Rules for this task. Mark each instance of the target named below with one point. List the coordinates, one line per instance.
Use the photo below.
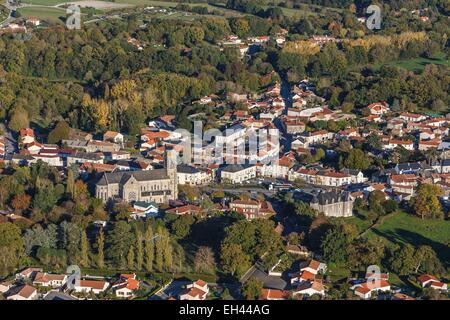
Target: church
(158, 185)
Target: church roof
(123, 176)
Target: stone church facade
(158, 185)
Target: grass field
(418, 64)
(404, 228)
(45, 13)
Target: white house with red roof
(429, 281)
(26, 135)
(95, 286)
(23, 292)
(378, 108)
(197, 290)
(126, 286)
(274, 294)
(413, 117)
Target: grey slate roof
(123, 176)
(183, 168)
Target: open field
(403, 228)
(418, 64)
(46, 13)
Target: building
(274, 294)
(158, 185)
(94, 286)
(192, 176)
(126, 286)
(429, 281)
(252, 209)
(23, 292)
(114, 137)
(236, 173)
(49, 280)
(330, 203)
(378, 108)
(197, 290)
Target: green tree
(357, 159)
(149, 248)
(130, 258)
(252, 289)
(139, 250)
(426, 203)
(119, 241)
(60, 132)
(100, 249)
(12, 248)
(234, 260)
(84, 249)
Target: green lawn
(44, 2)
(45, 13)
(402, 228)
(418, 64)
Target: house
(378, 108)
(412, 117)
(197, 290)
(192, 176)
(356, 175)
(364, 290)
(393, 143)
(310, 288)
(252, 208)
(237, 173)
(44, 279)
(26, 135)
(297, 250)
(22, 292)
(28, 273)
(429, 281)
(330, 203)
(126, 286)
(142, 210)
(186, 209)
(80, 157)
(5, 286)
(95, 286)
(114, 137)
(401, 296)
(314, 267)
(274, 294)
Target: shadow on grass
(402, 236)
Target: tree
(60, 132)
(336, 242)
(234, 260)
(204, 261)
(100, 249)
(84, 249)
(357, 159)
(252, 289)
(21, 201)
(119, 241)
(130, 258)
(70, 186)
(182, 225)
(19, 119)
(427, 261)
(12, 248)
(402, 260)
(149, 249)
(139, 250)
(426, 202)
